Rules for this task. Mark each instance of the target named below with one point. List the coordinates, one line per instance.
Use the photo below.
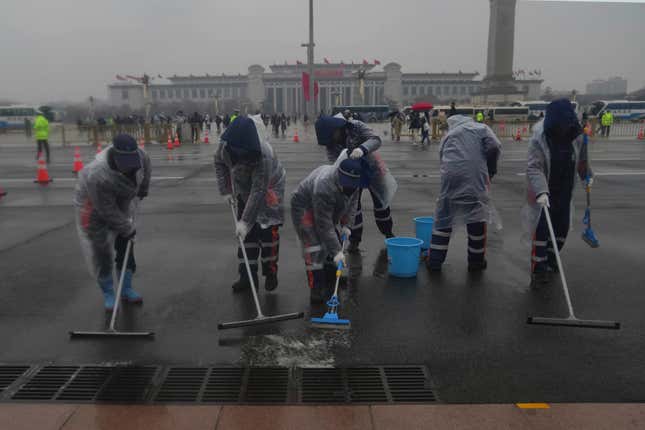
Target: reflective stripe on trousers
(382, 217)
(476, 243)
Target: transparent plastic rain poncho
(537, 174)
(105, 202)
(319, 207)
(260, 183)
(464, 155)
(381, 182)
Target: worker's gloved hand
(346, 232)
(241, 229)
(131, 235)
(228, 198)
(543, 200)
(356, 154)
(340, 257)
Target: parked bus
(14, 116)
(505, 113)
(537, 109)
(368, 113)
(621, 109)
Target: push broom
(112, 331)
(571, 320)
(330, 320)
(260, 318)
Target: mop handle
(554, 242)
(120, 287)
(339, 268)
(248, 267)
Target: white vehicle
(537, 109)
(14, 116)
(621, 109)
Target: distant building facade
(609, 87)
(280, 89)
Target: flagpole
(310, 60)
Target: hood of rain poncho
(326, 126)
(537, 176)
(105, 204)
(561, 122)
(465, 185)
(243, 140)
(375, 175)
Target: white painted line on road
(18, 181)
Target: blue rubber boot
(128, 294)
(106, 285)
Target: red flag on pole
(365, 63)
(377, 62)
(305, 85)
(326, 60)
(315, 89)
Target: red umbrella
(422, 107)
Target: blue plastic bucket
(423, 226)
(403, 256)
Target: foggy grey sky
(70, 49)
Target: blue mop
(330, 320)
(588, 234)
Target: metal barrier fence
(68, 134)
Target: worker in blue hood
(556, 151)
(336, 134)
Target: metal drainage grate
(366, 385)
(86, 384)
(267, 385)
(323, 386)
(409, 384)
(141, 384)
(223, 385)
(9, 375)
(182, 384)
(46, 383)
(128, 384)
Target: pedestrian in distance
(607, 121)
(218, 123)
(195, 126)
(27, 127)
(41, 127)
(336, 134)
(250, 176)
(425, 132)
(106, 197)
(556, 152)
(468, 160)
(326, 198)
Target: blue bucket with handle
(423, 226)
(403, 256)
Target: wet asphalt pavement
(470, 330)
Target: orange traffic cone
(142, 143)
(78, 163)
(296, 139)
(641, 134)
(2, 193)
(98, 148)
(518, 136)
(42, 176)
(169, 146)
(177, 142)
(206, 135)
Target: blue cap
(349, 173)
(126, 153)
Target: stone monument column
(501, 38)
(393, 87)
(255, 85)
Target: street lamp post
(145, 80)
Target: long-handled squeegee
(112, 331)
(260, 318)
(571, 320)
